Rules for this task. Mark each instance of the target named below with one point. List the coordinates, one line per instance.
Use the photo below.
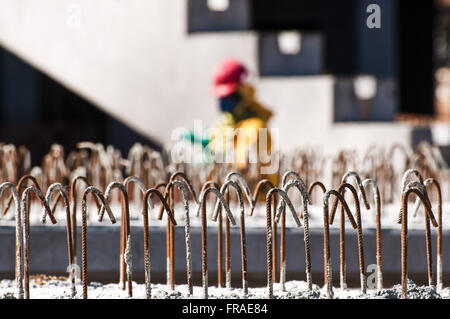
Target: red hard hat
(226, 77)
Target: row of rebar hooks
(276, 200)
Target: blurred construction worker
(242, 117)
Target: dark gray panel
(348, 108)
(308, 61)
(201, 18)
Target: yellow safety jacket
(242, 130)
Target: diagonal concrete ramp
(124, 55)
(135, 60)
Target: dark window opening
(37, 111)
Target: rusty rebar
(182, 185)
(313, 185)
(188, 183)
(203, 197)
(73, 197)
(439, 271)
(405, 180)
(227, 245)
(328, 274)
(220, 282)
(20, 186)
(435, 183)
(269, 198)
(360, 187)
(19, 258)
(358, 227)
(379, 251)
(262, 184)
(133, 179)
(125, 268)
(61, 189)
(343, 265)
(147, 260)
(26, 229)
(235, 176)
(96, 192)
(300, 185)
(170, 233)
(224, 189)
(415, 188)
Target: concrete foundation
(49, 254)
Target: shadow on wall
(36, 112)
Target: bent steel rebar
(19, 260)
(407, 176)
(219, 236)
(260, 186)
(95, 192)
(360, 187)
(349, 174)
(358, 227)
(141, 186)
(203, 197)
(125, 269)
(182, 185)
(300, 185)
(21, 186)
(235, 176)
(376, 197)
(266, 184)
(415, 188)
(328, 275)
(133, 179)
(185, 179)
(269, 197)
(435, 183)
(147, 261)
(314, 185)
(73, 197)
(343, 265)
(61, 189)
(26, 231)
(225, 187)
(170, 234)
(439, 270)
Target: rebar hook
(26, 231)
(58, 187)
(359, 237)
(297, 183)
(96, 192)
(203, 197)
(147, 261)
(269, 238)
(420, 193)
(439, 275)
(376, 197)
(328, 274)
(225, 187)
(182, 185)
(124, 234)
(19, 262)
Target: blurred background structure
(119, 72)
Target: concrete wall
(49, 252)
(136, 60)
